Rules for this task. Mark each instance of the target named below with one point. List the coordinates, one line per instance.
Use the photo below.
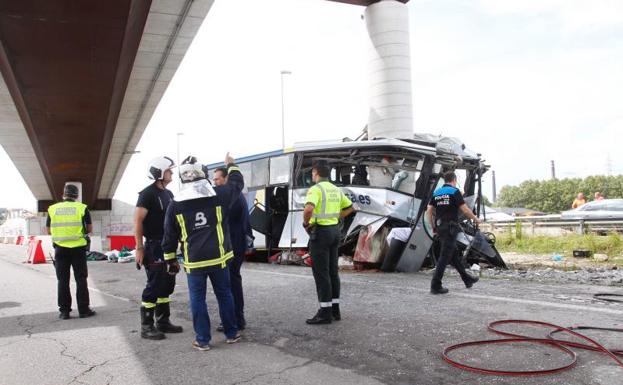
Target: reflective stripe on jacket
(66, 224)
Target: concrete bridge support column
(391, 111)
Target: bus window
(245, 170)
(259, 172)
(280, 169)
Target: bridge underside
(80, 81)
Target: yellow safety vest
(66, 224)
(328, 202)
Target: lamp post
(283, 126)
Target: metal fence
(553, 225)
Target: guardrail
(554, 225)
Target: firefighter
(149, 226)
(446, 203)
(199, 219)
(325, 204)
(68, 223)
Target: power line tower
(608, 165)
(553, 170)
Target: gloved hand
(173, 267)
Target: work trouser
(323, 245)
(197, 287)
(236, 287)
(64, 259)
(447, 252)
(160, 284)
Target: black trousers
(323, 245)
(64, 260)
(160, 284)
(447, 252)
(236, 287)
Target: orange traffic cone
(35, 252)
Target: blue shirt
(446, 201)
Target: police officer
(69, 222)
(149, 225)
(240, 233)
(446, 203)
(199, 219)
(325, 204)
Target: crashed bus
(389, 182)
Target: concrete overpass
(80, 82)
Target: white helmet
(191, 170)
(158, 166)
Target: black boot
(471, 280)
(148, 330)
(335, 312)
(323, 316)
(163, 312)
(438, 290)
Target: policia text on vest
(325, 205)
(68, 223)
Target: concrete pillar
(391, 111)
(389, 68)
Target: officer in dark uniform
(446, 202)
(325, 204)
(149, 224)
(68, 223)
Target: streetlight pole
(177, 160)
(283, 125)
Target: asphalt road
(392, 332)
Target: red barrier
(118, 241)
(35, 252)
(19, 240)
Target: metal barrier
(554, 225)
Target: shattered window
(259, 172)
(280, 169)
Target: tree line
(556, 195)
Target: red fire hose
(551, 341)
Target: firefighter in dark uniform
(68, 223)
(446, 203)
(199, 219)
(324, 205)
(149, 226)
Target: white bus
(388, 180)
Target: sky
(522, 82)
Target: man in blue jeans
(198, 218)
(240, 231)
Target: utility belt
(446, 226)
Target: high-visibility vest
(66, 224)
(332, 201)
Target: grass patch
(611, 245)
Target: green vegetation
(556, 195)
(611, 245)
